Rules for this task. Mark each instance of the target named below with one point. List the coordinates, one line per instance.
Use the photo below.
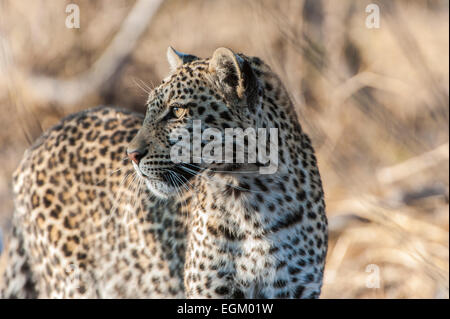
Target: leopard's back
(82, 227)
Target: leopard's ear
(176, 59)
(235, 77)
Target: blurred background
(374, 100)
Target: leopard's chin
(157, 184)
(159, 188)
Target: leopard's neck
(230, 238)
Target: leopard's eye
(178, 111)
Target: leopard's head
(215, 93)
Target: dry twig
(72, 91)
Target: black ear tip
(177, 58)
(240, 59)
(171, 49)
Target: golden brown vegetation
(375, 102)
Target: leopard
(102, 208)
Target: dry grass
(375, 102)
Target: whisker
(109, 175)
(177, 189)
(146, 90)
(194, 173)
(131, 199)
(220, 171)
(118, 197)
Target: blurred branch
(419, 241)
(72, 91)
(29, 124)
(414, 54)
(413, 165)
(367, 79)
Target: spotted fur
(82, 228)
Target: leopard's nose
(136, 155)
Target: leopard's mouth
(169, 180)
(159, 188)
